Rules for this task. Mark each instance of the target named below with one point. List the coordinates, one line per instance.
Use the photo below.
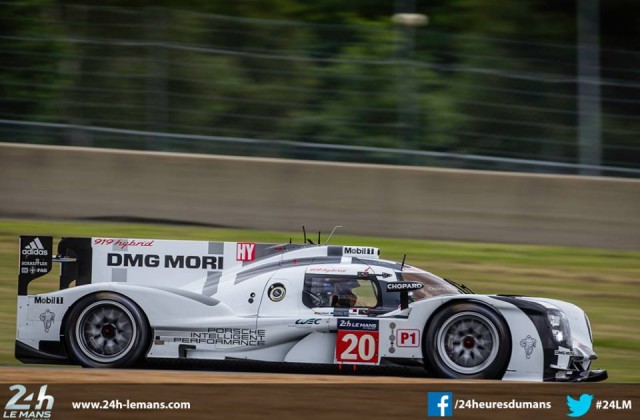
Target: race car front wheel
(106, 330)
(468, 341)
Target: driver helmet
(343, 296)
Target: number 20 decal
(364, 347)
(357, 347)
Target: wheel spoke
(466, 342)
(105, 331)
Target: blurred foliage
(485, 77)
(20, 22)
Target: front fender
(523, 365)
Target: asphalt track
(76, 375)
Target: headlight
(559, 327)
(586, 318)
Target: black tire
(467, 341)
(106, 330)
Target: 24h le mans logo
(20, 404)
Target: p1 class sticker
(277, 292)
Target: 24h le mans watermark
(27, 405)
(442, 404)
(130, 405)
(22, 405)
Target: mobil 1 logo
(35, 256)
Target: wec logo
(311, 321)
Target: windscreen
(433, 286)
(338, 292)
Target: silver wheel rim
(468, 342)
(105, 331)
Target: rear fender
(42, 317)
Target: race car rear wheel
(468, 341)
(106, 330)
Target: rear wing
(35, 260)
(152, 262)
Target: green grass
(605, 283)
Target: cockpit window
(339, 292)
(433, 286)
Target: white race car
(146, 299)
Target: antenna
(304, 231)
(403, 260)
(331, 234)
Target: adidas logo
(35, 248)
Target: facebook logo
(440, 404)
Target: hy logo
(439, 404)
(579, 407)
(245, 251)
(35, 248)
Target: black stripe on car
(537, 313)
